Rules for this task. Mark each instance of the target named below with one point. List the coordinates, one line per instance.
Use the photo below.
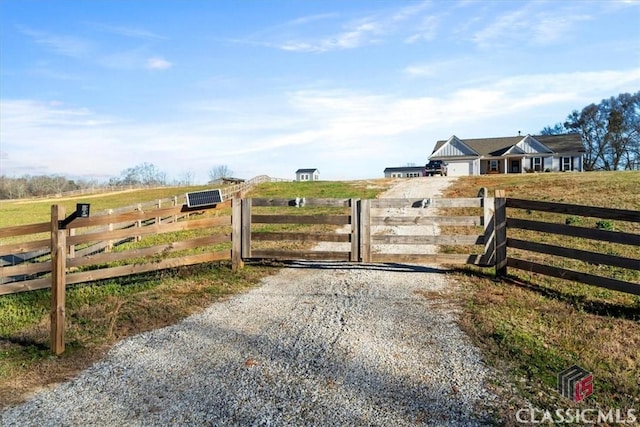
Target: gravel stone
(316, 344)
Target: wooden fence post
(236, 233)
(365, 230)
(246, 228)
(109, 247)
(174, 204)
(58, 283)
(488, 204)
(500, 224)
(139, 223)
(72, 248)
(355, 231)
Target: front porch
(521, 164)
(503, 165)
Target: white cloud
(132, 32)
(158, 63)
(529, 25)
(355, 35)
(277, 135)
(64, 45)
(426, 31)
(371, 28)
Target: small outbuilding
(404, 172)
(307, 175)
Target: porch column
(506, 165)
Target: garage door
(459, 168)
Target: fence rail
(364, 235)
(589, 257)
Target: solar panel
(203, 198)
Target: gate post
(365, 230)
(58, 278)
(488, 204)
(236, 233)
(354, 256)
(246, 228)
(500, 220)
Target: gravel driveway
(316, 344)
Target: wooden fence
(596, 215)
(23, 256)
(258, 228)
(367, 230)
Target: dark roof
(307, 170)
(571, 142)
(405, 169)
(562, 143)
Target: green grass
(534, 326)
(365, 189)
(30, 211)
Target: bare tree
(219, 172)
(186, 178)
(610, 132)
(142, 174)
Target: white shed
(307, 175)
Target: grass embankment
(102, 313)
(533, 326)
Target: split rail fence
(369, 231)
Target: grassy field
(29, 211)
(102, 313)
(532, 327)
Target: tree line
(142, 175)
(610, 132)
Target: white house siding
(531, 146)
(575, 164)
(307, 177)
(455, 148)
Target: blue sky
(90, 88)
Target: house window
(412, 175)
(493, 166)
(536, 164)
(566, 164)
(304, 177)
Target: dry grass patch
(532, 326)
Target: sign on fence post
(500, 225)
(58, 271)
